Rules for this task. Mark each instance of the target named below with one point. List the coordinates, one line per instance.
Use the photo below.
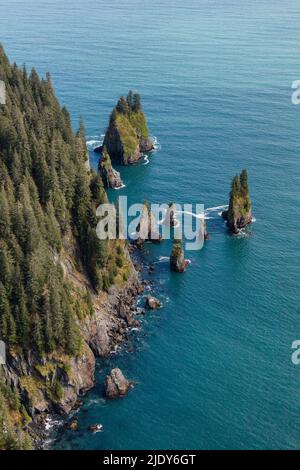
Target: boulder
(152, 303)
(116, 385)
(72, 425)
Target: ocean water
(213, 367)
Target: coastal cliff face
(52, 383)
(127, 136)
(110, 177)
(65, 296)
(239, 213)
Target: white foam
(94, 141)
(156, 144)
(146, 160)
(197, 216)
(164, 258)
(121, 187)
(217, 208)
(92, 144)
(50, 423)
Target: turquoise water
(213, 366)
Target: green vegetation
(127, 126)
(177, 249)
(46, 196)
(48, 201)
(13, 417)
(239, 202)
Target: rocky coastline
(114, 313)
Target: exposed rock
(113, 315)
(98, 149)
(72, 425)
(127, 136)
(152, 303)
(170, 218)
(116, 385)
(146, 144)
(203, 230)
(177, 261)
(78, 404)
(54, 385)
(147, 227)
(96, 428)
(239, 213)
(111, 178)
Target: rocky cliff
(111, 178)
(239, 213)
(127, 136)
(52, 383)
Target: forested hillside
(47, 196)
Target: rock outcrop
(177, 261)
(111, 178)
(203, 230)
(147, 227)
(239, 213)
(116, 385)
(127, 136)
(152, 303)
(72, 425)
(170, 217)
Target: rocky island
(239, 213)
(127, 136)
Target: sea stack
(239, 213)
(177, 261)
(170, 218)
(110, 177)
(203, 230)
(127, 136)
(147, 227)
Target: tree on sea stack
(127, 136)
(239, 213)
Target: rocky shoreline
(108, 327)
